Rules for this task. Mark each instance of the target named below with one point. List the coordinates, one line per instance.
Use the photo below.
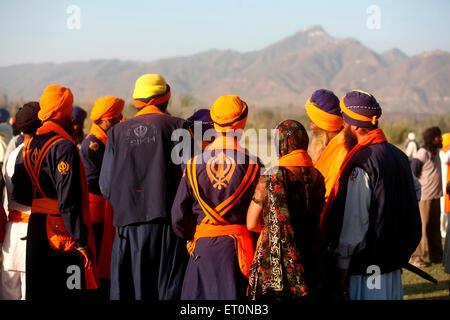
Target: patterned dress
(289, 260)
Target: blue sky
(36, 30)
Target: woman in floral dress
(289, 259)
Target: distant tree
(187, 100)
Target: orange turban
(445, 141)
(56, 103)
(229, 112)
(107, 108)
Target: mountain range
(282, 74)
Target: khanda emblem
(220, 169)
(34, 156)
(63, 168)
(140, 131)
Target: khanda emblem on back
(220, 169)
(142, 134)
(140, 131)
(34, 156)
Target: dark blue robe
(140, 180)
(47, 269)
(215, 274)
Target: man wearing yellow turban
(139, 179)
(210, 209)
(52, 181)
(106, 113)
(327, 142)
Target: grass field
(416, 288)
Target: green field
(416, 288)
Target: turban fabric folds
(79, 115)
(27, 120)
(360, 109)
(56, 103)
(150, 90)
(229, 113)
(323, 109)
(445, 141)
(107, 108)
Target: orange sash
(373, 137)
(446, 196)
(98, 133)
(148, 110)
(109, 232)
(330, 161)
(32, 162)
(296, 158)
(214, 225)
(18, 216)
(96, 207)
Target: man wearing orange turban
(210, 209)
(327, 142)
(106, 113)
(140, 179)
(52, 181)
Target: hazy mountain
(284, 73)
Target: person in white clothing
(12, 277)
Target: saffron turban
(107, 108)
(79, 115)
(360, 109)
(150, 89)
(445, 141)
(229, 113)
(56, 103)
(323, 109)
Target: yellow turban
(56, 103)
(445, 141)
(229, 112)
(324, 120)
(150, 89)
(107, 108)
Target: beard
(69, 128)
(319, 141)
(350, 140)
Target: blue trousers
(148, 262)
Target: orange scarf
(373, 137)
(330, 161)
(102, 210)
(90, 273)
(296, 158)
(225, 142)
(148, 110)
(98, 133)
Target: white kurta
(352, 239)
(12, 284)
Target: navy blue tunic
(215, 275)
(139, 179)
(47, 269)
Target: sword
(420, 273)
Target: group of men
(112, 217)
